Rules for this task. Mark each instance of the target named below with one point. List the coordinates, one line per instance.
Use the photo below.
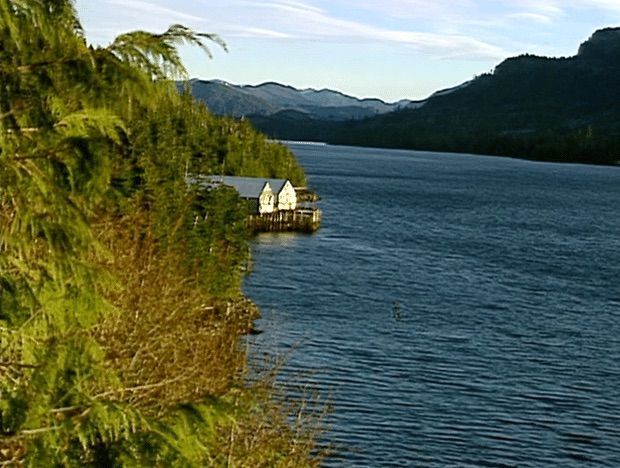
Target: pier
(300, 220)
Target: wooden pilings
(301, 220)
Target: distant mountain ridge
(557, 109)
(271, 98)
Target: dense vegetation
(120, 306)
(561, 109)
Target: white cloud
(293, 19)
(249, 32)
(553, 8)
(443, 45)
(288, 5)
(152, 9)
(535, 17)
(545, 7)
(317, 20)
(436, 10)
(607, 5)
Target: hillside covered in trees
(555, 109)
(120, 304)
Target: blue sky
(390, 49)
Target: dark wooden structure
(300, 220)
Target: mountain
(558, 109)
(271, 98)
(226, 99)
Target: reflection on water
(278, 239)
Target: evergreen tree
(95, 145)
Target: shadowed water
(460, 310)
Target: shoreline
(464, 153)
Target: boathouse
(272, 202)
(286, 196)
(257, 192)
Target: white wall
(287, 198)
(266, 201)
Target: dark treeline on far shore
(582, 145)
(553, 109)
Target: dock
(300, 220)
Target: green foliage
(156, 54)
(118, 332)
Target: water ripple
(459, 311)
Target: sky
(390, 49)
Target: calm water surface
(459, 310)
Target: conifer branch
(138, 388)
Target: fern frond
(157, 54)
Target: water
(459, 310)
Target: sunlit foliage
(120, 313)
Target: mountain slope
(564, 109)
(270, 98)
(225, 99)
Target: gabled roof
(247, 187)
(277, 184)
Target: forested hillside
(120, 304)
(558, 109)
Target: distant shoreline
(465, 153)
(294, 142)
